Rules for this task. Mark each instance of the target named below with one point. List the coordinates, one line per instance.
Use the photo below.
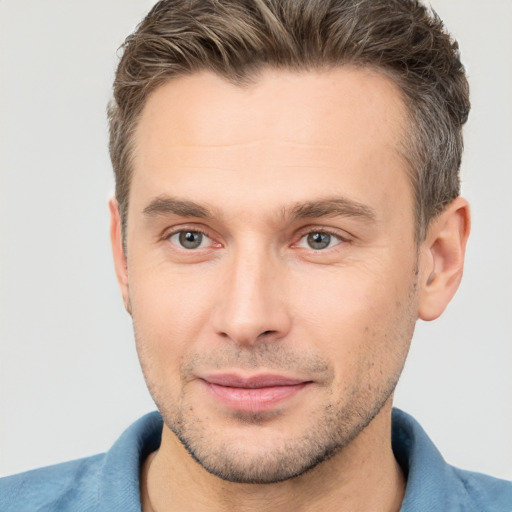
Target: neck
(363, 476)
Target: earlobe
(120, 264)
(442, 259)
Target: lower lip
(254, 399)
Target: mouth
(258, 393)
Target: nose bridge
(251, 307)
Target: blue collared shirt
(110, 482)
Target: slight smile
(259, 393)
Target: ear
(442, 258)
(120, 264)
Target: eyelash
(167, 235)
(304, 233)
(312, 230)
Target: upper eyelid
(176, 246)
(175, 232)
(339, 238)
(341, 234)
(169, 231)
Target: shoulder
(485, 492)
(433, 484)
(108, 481)
(67, 486)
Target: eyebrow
(164, 205)
(331, 207)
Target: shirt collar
(432, 484)
(120, 472)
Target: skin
(257, 170)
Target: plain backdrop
(70, 381)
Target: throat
(352, 480)
(145, 500)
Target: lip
(256, 393)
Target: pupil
(319, 240)
(190, 239)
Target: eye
(319, 240)
(189, 239)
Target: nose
(252, 304)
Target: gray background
(70, 381)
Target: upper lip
(255, 381)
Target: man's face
(272, 268)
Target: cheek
(358, 317)
(170, 310)
(339, 298)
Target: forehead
(303, 133)
(209, 109)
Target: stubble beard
(330, 427)
(323, 437)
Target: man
(287, 206)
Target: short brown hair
(238, 38)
